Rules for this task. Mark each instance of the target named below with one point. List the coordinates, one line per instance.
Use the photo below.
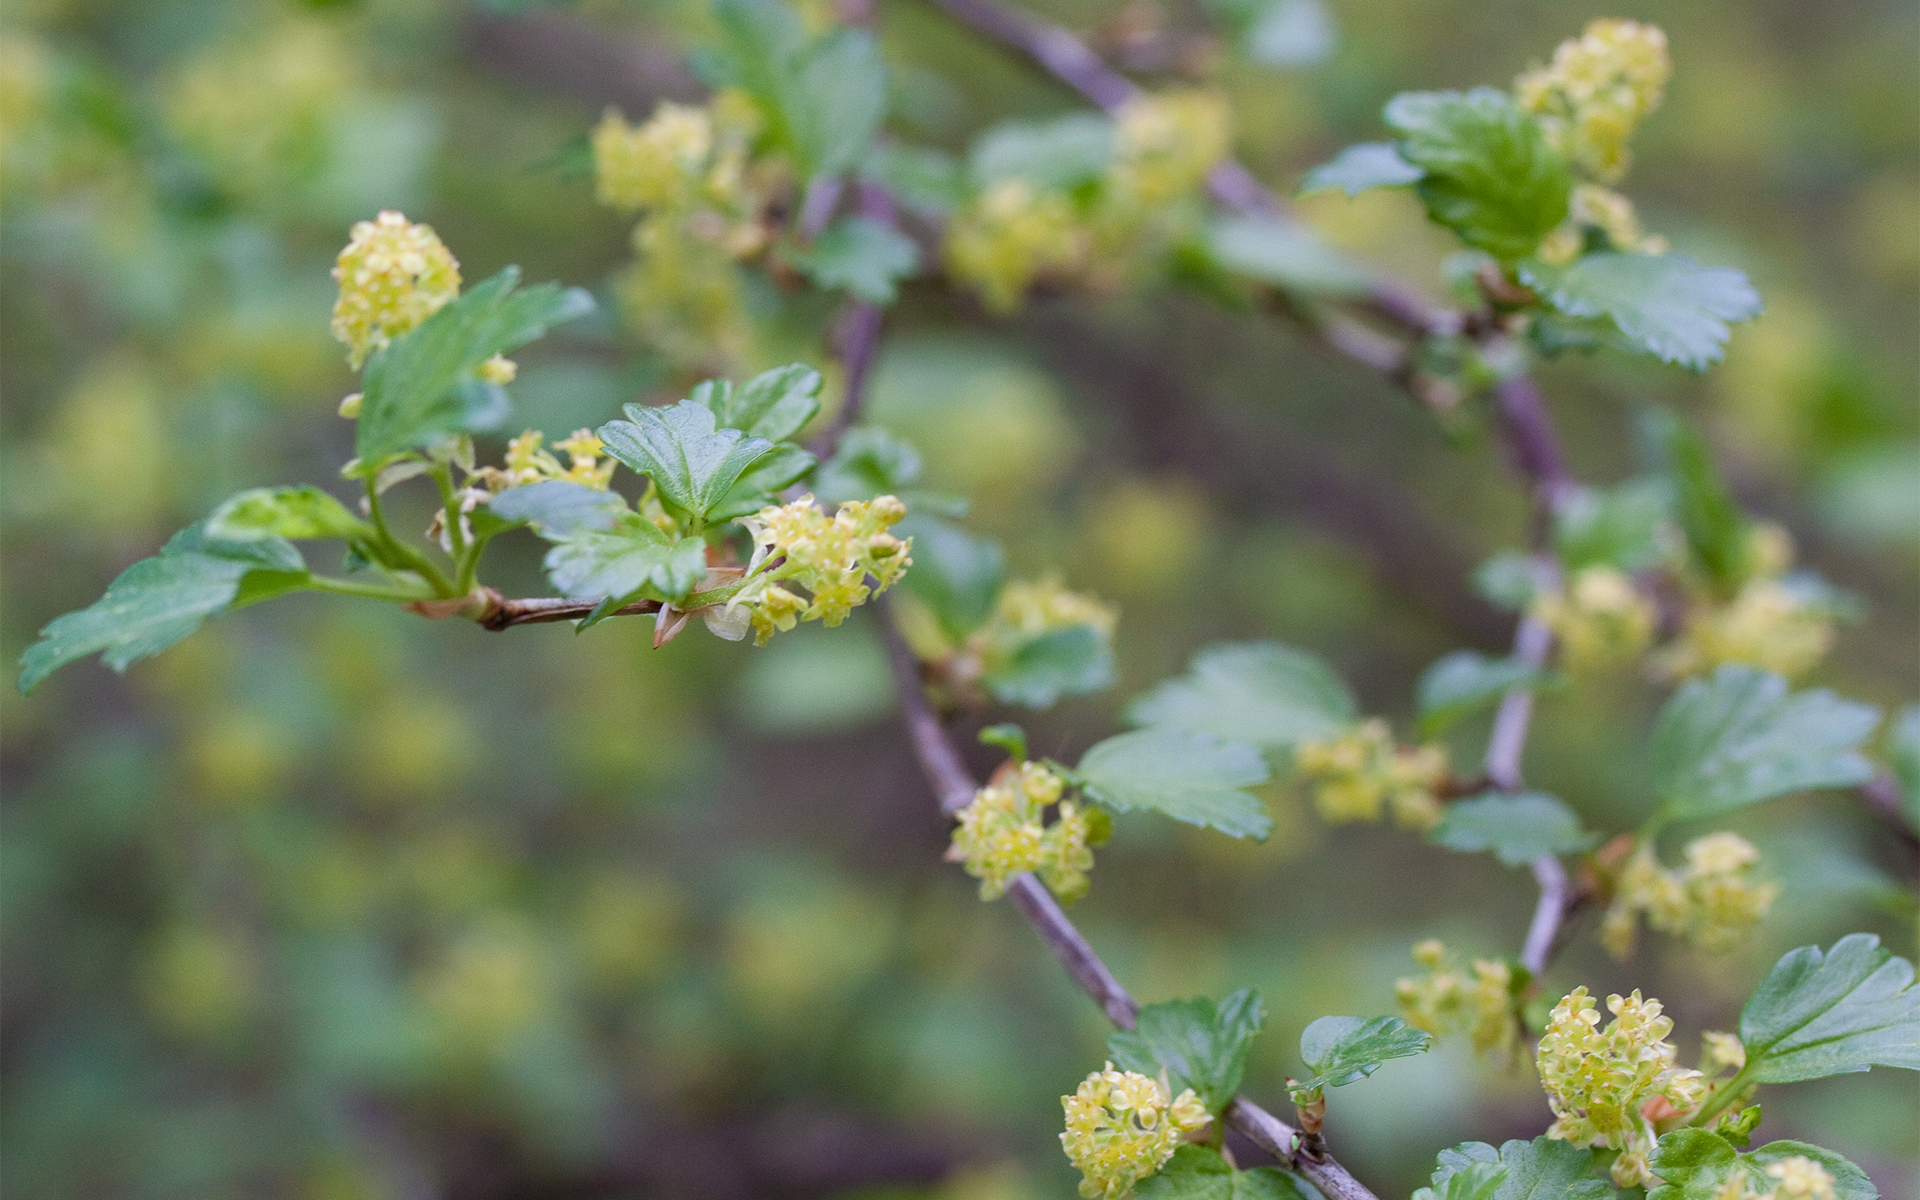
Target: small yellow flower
(1800, 1178)
(1597, 90)
(1598, 1080)
(654, 165)
(1002, 834)
(1713, 901)
(499, 370)
(1006, 239)
(1122, 1127)
(393, 275)
(1449, 1000)
(1600, 620)
(1166, 142)
(1361, 774)
(832, 557)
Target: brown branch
(505, 614)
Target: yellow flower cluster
(1122, 1127)
(1597, 1081)
(1794, 1178)
(831, 557)
(1713, 901)
(393, 275)
(1165, 143)
(1359, 774)
(1012, 236)
(1449, 999)
(1028, 609)
(1599, 619)
(1594, 207)
(1596, 91)
(1767, 623)
(1001, 834)
(528, 463)
(654, 164)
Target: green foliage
(284, 512)
(1190, 777)
(1614, 527)
(1197, 1173)
(1466, 681)
(1817, 1014)
(1200, 1045)
(1342, 1050)
(1695, 1164)
(1518, 829)
(1903, 753)
(1062, 662)
(1487, 172)
(955, 573)
(1706, 512)
(623, 560)
(1061, 153)
(862, 256)
(1279, 33)
(1542, 1169)
(558, 508)
(1738, 738)
(1359, 168)
(1286, 256)
(1666, 304)
(160, 600)
(692, 463)
(423, 385)
(1261, 693)
(773, 405)
(825, 97)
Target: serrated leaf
(773, 405)
(1288, 256)
(1816, 1014)
(1190, 777)
(1056, 154)
(1488, 172)
(1263, 693)
(422, 384)
(1061, 662)
(692, 462)
(1344, 1049)
(1197, 1173)
(955, 574)
(867, 462)
(1476, 1181)
(1738, 738)
(1666, 304)
(1465, 681)
(558, 508)
(1849, 1181)
(285, 512)
(1518, 829)
(862, 256)
(1615, 527)
(1359, 168)
(160, 600)
(618, 562)
(1695, 1164)
(781, 467)
(1542, 1169)
(1201, 1045)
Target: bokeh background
(333, 902)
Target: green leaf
(1508, 580)
(1738, 738)
(1666, 304)
(1518, 829)
(423, 384)
(285, 512)
(1903, 754)
(1542, 1169)
(1816, 1015)
(1615, 527)
(160, 600)
(773, 405)
(1288, 256)
(1712, 522)
(1263, 693)
(1465, 681)
(691, 461)
(927, 181)
(558, 508)
(863, 256)
(824, 98)
(1287, 33)
(1488, 173)
(1476, 1181)
(1188, 776)
(955, 574)
(1197, 1173)
(1343, 1049)
(1201, 1046)
(1008, 737)
(784, 465)
(867, 462)
(619, 561)
(1061, 662)
(1359, 168)
(1696, 1164)
(1058, 154)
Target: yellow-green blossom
(1596, 91)
(1002, 833)
(1767, 625)
(832, 557)
(652, 165)
(1166, 142)
(1360, 774)
(393, 275)
(527, 462)
(1713, 901)
(1011, 236)
(1600, 619)
(1597, 1081)
(1593, 207)
(1449, 999)
(1799, 1178)
(1122, 1127)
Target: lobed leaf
(861, 256)
(160, 600)
(1696, 1164)
(1344, 1049)
(1198, 1173)
(759, 485)
(1665, 304)
(1262, 693)
(824, 98)
(1465, 681)
(1848, 1010)
(1542, 1169)
(619, 561)
(558, 508)
(1518, 829)
(868, 461)
(1738, 738)
(1062, 662)
(1190, 777)
(773, 405)
(692, 462)
(1488, 172)
(1360, 168)
(1476, 1181)
(1199, 1044)
(422, 384)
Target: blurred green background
(334, 902)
